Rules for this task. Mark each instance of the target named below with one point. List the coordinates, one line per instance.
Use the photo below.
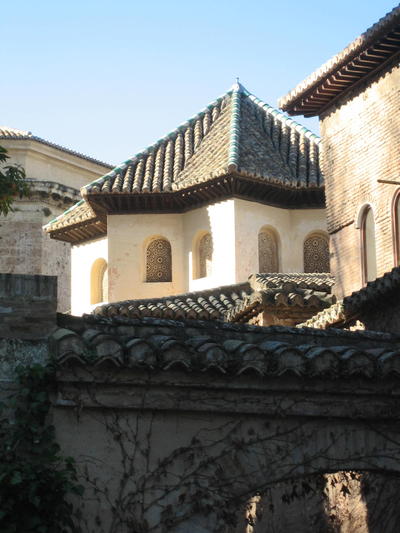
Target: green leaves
(35, 480)
(12, 183)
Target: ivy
(34, 477)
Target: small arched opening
(368, 245)
(268, 250)
(158, 260)
(203, 252)
(99, 281)
(316, 252)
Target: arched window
(203, 256)
(396, 227)
(316, 253)
(368, 248)
(268, 251)
(99, 282)
(158, 261)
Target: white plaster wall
(234, 225)
(128, 238)
(292, 227)
(218, 219)
(82, 258)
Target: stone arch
(268, 250)
(355, 500)
(396, 227)
(366, 223)
(203, 252)
(261, 462)
(158, 260)
(316, 252)
(99, 281)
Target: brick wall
(361, 144)
(27, 306)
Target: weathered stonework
(56, 175)
(27, 306)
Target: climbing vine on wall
(34, 477)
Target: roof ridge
(283, 117)
(15, 133)
(234, 133)
(170, 135)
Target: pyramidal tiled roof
(237, 146)
(23, 135)
(236, 132)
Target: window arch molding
(157, 255)
(366, 224)
(203, 249)
(269, 249)
(99, 281)
(396, 227)
(316, 252)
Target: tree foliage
(12, 183)
(34, 478)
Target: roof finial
(237, 86)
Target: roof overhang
(370, 53)
(217, 189)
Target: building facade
(357, 97)
(55, 174)
(235, 190)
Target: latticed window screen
(205, 251)
(316, 254)
(158, 261)
(267, 252)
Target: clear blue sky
(108, 78)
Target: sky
(108, 78)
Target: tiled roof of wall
(158, 345)
(376, 293)
(233, 302)
(209, 304)
(13, 133)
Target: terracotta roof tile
(381, 291)
(161, 345)
(275, 149)
(210, 304)
(237, 139)
(233, 303)
(298, 101)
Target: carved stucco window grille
(316, 253)
(205, 252)
(99, 282)
(158, 261)
(268, 252)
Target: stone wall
(56, 177)
(360, 147)
(27, 306)
(181, 423)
